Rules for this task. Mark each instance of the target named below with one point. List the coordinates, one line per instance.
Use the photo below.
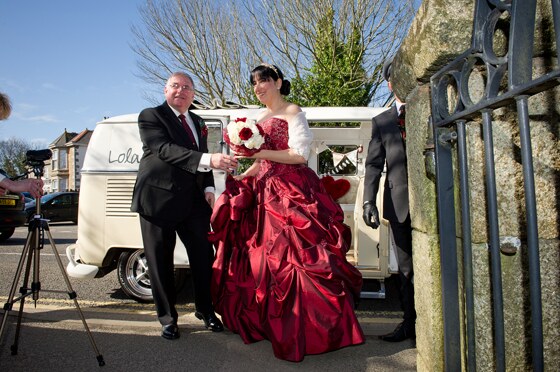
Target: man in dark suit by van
(387, 146)
(174, 194)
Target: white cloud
(26, 107)
(51, 86)
(44, 118)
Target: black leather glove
(371, 215)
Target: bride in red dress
(280, 271)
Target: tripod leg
(9, 303)
(72, 294)
(36, 283)
(24, 293)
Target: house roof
(72, 138)
(81, 138)
(61, 140)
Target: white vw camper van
(109, 235)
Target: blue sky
(67, 64)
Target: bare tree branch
(219, 42)
(12, 156)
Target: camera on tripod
(37, 157)
(36, 160)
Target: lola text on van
(125, 157)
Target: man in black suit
(387, 145)
(174, 194)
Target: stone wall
(440, 32)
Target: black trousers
(159, 239)
(402, 237)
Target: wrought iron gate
(450, 125)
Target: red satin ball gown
(280, 271)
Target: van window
(215, 141)
(340, 160)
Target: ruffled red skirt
(280, 271)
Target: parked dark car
(58, 206)
(12, 214)
(27, 197)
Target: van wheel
(134, 277)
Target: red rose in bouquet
(243, 136)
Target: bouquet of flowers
(245, 137)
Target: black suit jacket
(386, 145)
(168, 181)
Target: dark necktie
(402, 114)
(188, 130)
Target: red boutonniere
(203, 129)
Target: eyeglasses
(182, 87)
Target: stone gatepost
(440, 32)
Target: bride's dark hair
(270, 71)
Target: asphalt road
(127, 333)
(102, 290)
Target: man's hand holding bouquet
(245, 137)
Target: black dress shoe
(170, 332)
(211, 321)
(401, 333)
